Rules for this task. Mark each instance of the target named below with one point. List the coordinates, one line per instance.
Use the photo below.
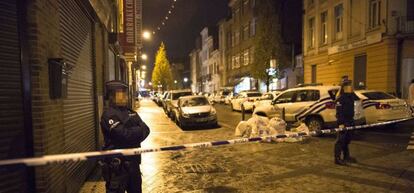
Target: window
(237, 61)
(246, 57)
(237, 38)
(378, 96)
(339, 9)
(253, 27)
(374, 13)
(246, 32)
(324, 28)
(236, 13)
(245, 6)
(285, 97)
(306, 96)
(233, 39)
(313, 80)
(252, 3)
(410, 8)
(251, 53)
(311, 3)
(311, 37)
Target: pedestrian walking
(122, 128)
(345, 118)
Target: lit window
(246, 57)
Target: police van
(313, 105)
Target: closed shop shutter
(11, 109)
(79, 111)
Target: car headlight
(213, 111)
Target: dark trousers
(127, 178)
(343, 139)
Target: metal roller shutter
(11, 109)
(79, 110)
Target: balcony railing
(405, 25)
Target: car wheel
(314, 124)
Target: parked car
(245, 99)
(172, 100)
(266, 99)
(313, 105)
(380, 106)
(229, 97)
(163, 101)
(221, 96)
(195, 110)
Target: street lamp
(144, 67)
(146, 35)
(185, 79)
(175, 81)
(144, 57)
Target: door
(360, 72)
(407, 75)
(79, 107)
(303, 100)
(12, 133)
(313, 79)
(286, 101)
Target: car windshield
(225, 93)
(254, 94)
(192, 102)
(176, 96)
(377, 95)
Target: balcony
(405, 26)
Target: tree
(161, 75)
(268, 42)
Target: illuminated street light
(144, 57)
(144, 67)
(146, 35)
(185, 79)
(175, 81)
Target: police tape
(98, 155)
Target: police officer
(121, 128)
(345, 118)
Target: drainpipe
(26, 90)
(400, 43)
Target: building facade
(209, 58)
(55, 58)
(237, 44)
(238, 32)
(371, 41)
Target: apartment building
(371, 41)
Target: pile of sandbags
(259, 126)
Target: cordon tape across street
(97, 155)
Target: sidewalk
(159, 123)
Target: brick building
(36, 117)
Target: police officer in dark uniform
(345, 118)
(121, 128)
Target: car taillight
(330, 105)
(382, 106)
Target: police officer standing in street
(121, 128)
(345, 118)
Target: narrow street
(384, 163)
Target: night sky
(182, 28)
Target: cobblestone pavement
(384, 163)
